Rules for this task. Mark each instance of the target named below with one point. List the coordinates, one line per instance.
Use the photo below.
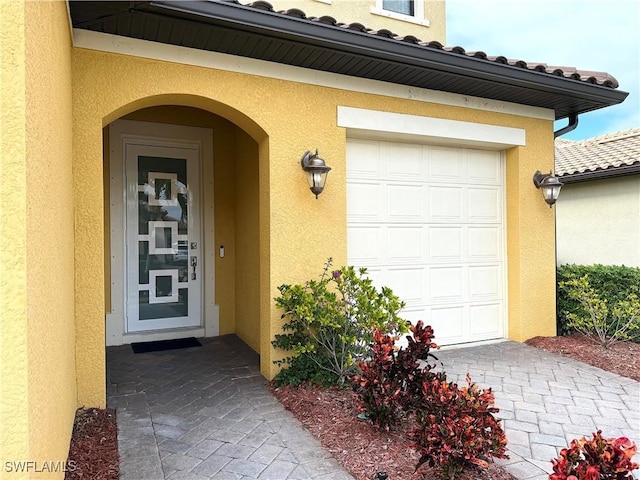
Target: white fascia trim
(190, 56)
(361, 122)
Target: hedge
(612, 282)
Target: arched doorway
(181, 217)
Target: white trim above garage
(374, 124)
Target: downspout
(573, 123)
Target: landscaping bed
(622, 358)
(329, 415)
(94, 446)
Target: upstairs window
(405, 10)
(404, 7)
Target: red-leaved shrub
(389, 383)
(596, 459)
(456, 428)
(379, 386)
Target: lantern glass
(316, 171)
(550, 186)
(550, 189)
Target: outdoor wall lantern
(549, 185)
(316, 171)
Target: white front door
(163, 240)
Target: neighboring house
(598, 212)
(152, 185)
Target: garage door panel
(408, 283)
(364, 202)
(448, 324)
(365, 245)
(484, 321)
(405, 203)
(484, 204)
(445, 244)
(482, 167)
(484, 243)
(446, 284)
(445, 203)
(445, 165)
(364, 159)
(405, 162)
(406, 244)
(415, 314)
(484, 282)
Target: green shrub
(607, 324)
(330, 321)
(303, 369)
(611, 282)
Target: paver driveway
(546, 400)
(204, 412)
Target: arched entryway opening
(182, 238)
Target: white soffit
(379, 125)
(189, 56)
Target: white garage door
(427, 222)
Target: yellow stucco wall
(247, 255)
(14, 442)
(296, 232)
(360, 11)
(38, 390)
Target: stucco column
(89, 255)
(530, 244)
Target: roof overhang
(601, 174)
(254, 32)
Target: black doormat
(144, 347)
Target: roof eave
(342, 39)
(601, 174)
(470, 75)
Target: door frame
(120, 133)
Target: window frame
(417, 17)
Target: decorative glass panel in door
(163, 238)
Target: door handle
(194, 264)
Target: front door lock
(194, 264)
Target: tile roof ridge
(621, 135)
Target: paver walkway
(204, 413)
